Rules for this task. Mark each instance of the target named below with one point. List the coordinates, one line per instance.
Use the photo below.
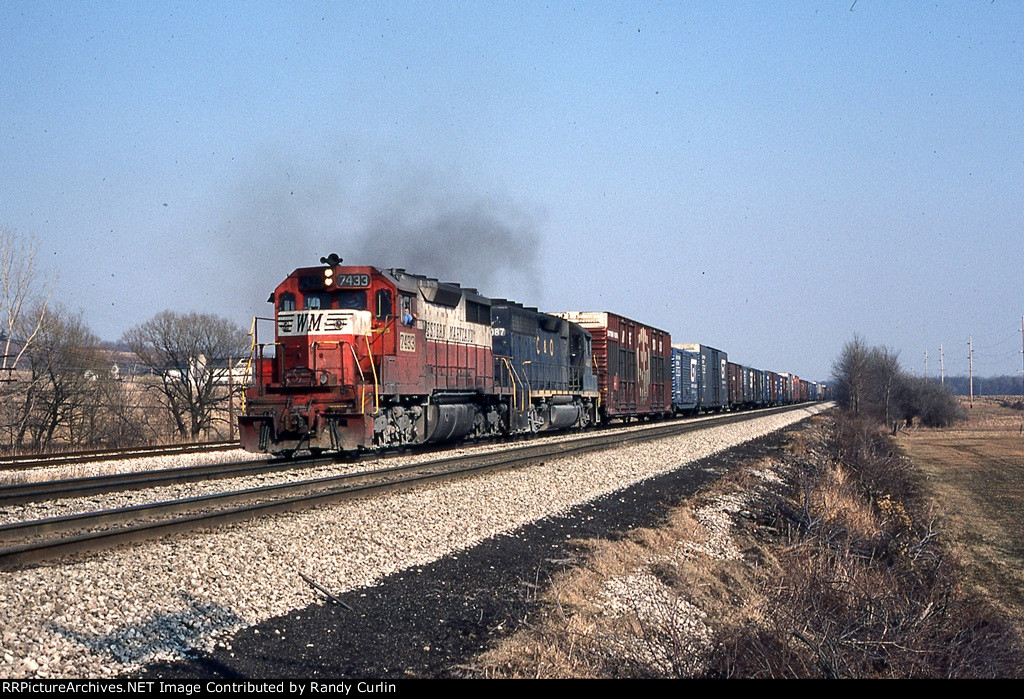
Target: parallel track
(79, 457)
(93, 531)
(82, 486)
(42, 491)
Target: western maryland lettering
(323, 323)
(451, 333)
(448, 324)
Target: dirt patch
(975, 472)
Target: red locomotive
(368, 358)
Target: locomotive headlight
(328, 281)
(328, 272)
(328, 276)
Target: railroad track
(33, 541)
(83, 486)
(43, 491)
(79, 457)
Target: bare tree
(851, 373)
(65, 368)
(122, 422)
(869, 381)
(884, 374)
(18, 291)
(188, 353)
(22, 308)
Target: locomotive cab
(320, 375)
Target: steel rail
(40, 491)
(29, 461)
(290, 496)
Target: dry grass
(975, 472)
(648, 605)
(827, 562)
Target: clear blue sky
(766, 177)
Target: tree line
(986, 385)
(870, 382)
(60, 386)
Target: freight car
(686, 382)
(712, 380)
(632, 361)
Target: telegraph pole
(926, 363)
(231, 398)
(970, 357)
(942, 363)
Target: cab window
(352, 300)
(286, 302)
(384, 309)
(315, 302)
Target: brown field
(976, 473)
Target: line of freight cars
(704, 380)
(366, 358)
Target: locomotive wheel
(534, 421)
(584, 422)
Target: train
(367, 358)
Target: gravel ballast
(113, 613)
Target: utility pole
(231, 398)
(1022, 355)
(970, 357)
(942, 363)
(926, 363)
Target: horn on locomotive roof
(333, 260)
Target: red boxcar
(735, 385)
(802, 391)
(632, 361)
(773, 387)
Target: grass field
(976, 473)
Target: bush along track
(824, 559)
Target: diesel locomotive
(365, 357)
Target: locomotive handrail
(261, 345)
(529, 387)
(355, 358)
(248, 363)
(362, 377)
(373, 368)
(254, 332)
(515, 387)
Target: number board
(352, 280)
